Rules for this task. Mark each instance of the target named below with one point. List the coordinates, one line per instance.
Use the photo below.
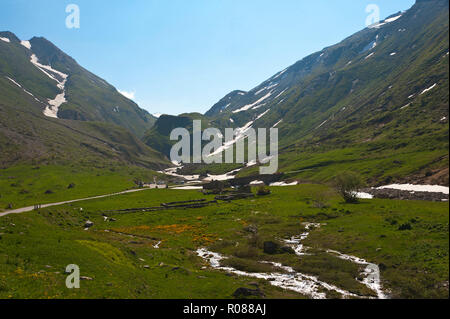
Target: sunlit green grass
(414, 262)
(27, 185)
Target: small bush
(406, 226)
(254, 241)
(320, 198)
(347, 185)
(222, 244)
(246, 252)
(263, 191)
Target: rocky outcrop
(388, 193)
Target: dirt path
(30, 208)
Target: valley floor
(159, 254)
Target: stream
(304, 284)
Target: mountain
(376, 102)
(53, 110)
(230, 101)
(86, 96)
(158, 137)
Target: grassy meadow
(27, 185)
(119, 257)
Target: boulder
(251, 229)
(271, 247)
(86, 278)
(88, 224)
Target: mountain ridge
(88, 97)
(384, 88)
(39, 85)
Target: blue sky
(184, 55)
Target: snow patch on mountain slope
(223, 177)
(370, 55)
(382, 23)
(279, 74)
(249, 106)
(270, 86)
(392, 19)
(276, 97)
(258, 92)
(20, 86)
(322, 124)
(262, 114)
(429, 89)
(53, 105)
(50, 72)
(14, 82)
(258, 106)
(370, 46)
(240, 134)
(128, 95)
(26, 44)
(277, 123)
(5, 40)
